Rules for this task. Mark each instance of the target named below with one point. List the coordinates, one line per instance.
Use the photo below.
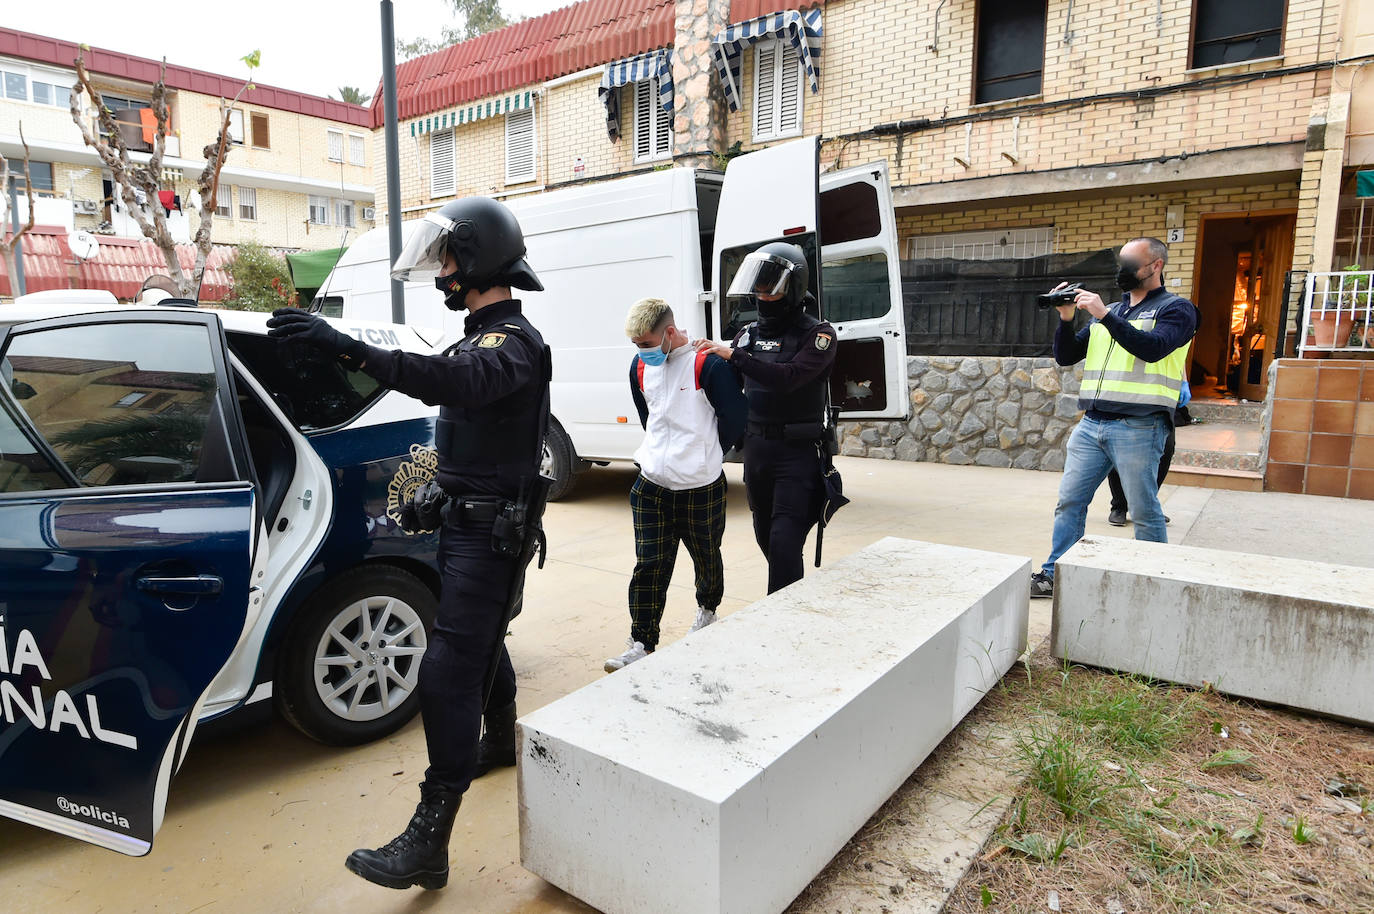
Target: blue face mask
(653, 356)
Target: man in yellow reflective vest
(1135, 360)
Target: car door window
(118, 404)
(310, 387)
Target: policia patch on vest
(491, 340)
(823, 341)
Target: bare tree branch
(7, 246)
(132, 178)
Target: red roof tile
(586, 34)
(121, 266)
(40, 49)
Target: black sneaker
(1117, 517)
(1042, 585)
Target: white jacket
(681, 448)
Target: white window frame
(248, 204)
(521, 126)
(236, 124)
(443, 164)
(56, 79)
(224, 202)
(771, 90)
(345, 213)
(361, 158)
(318, 204)
(650, 116)
(330, 138)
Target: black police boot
(496, 748)
(418, 855)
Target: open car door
(845, 224)
(128, 541)
(862, 277)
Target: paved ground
(260, 819)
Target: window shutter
(356, 150)
(790, 86)
(765, 89)
(441, 170)
(261, 138)
(520, 146)
(335, 145)
(644, 117)
(663, 125)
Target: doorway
(1238, 287)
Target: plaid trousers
(663, 518)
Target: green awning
(309, 268)
(1364, 183)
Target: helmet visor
(423, 256)
(762, 274)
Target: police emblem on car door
(128, 531)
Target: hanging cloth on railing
(803, 30)
(632, 70)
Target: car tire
(339, 680)
(560, 461)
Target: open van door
(847, 228)
(764, 198)
(861, 274)
(129, 544)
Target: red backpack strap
(639, 372)
(701, 360)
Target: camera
(1064, 296)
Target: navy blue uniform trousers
(467, 631)
(783, 482)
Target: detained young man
(693, 411)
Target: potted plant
(1332, 326)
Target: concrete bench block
(724, 771)
(1280, 630)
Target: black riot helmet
(777, 268)
(485, 241)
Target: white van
(678, 234)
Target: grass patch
(1164, 799)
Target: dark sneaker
(1042, 585)
(1117, 517)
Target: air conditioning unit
(86, 207)
(370, 213)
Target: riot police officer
(492, 390)
(785, 359)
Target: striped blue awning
(632, 70)
(802, 29)
(474, 112)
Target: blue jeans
(1133, 448)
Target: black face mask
(1126, 280)
(455, 293)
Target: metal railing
(1338, 312)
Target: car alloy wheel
(367, 660)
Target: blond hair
(648, 315)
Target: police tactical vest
(804, 406)
(1111, 375)
(491, 448)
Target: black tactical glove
(295, 324)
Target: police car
(194, 517)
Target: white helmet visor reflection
(762, 274)
(423, 256)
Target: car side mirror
(22, 390)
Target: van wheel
(349, 669)
(560, 461)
